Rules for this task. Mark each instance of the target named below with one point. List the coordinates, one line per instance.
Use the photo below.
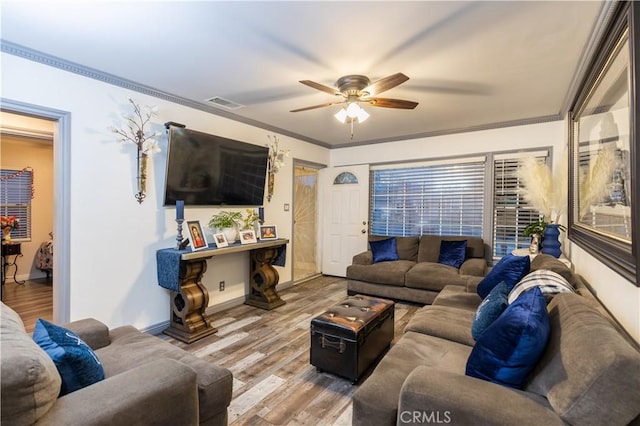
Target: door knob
(364, 231)
(364, 222)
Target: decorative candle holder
(179, 237)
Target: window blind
(16, 188)
(440, 199)
(511, 213)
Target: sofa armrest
(364, 258)
(163, 391)
(93, 332)
(474, 266)
(462, 400)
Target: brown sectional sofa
(588, 373)
(147, 381)
(416, 276)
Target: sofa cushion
(377, 397)
(455, 296)
(30, 381)
(509, 269)
(490, 309)
(509, 348)
(589, 372)
(550, 263)
(77, 364)
(384, 250)
(429, 248)
(549, 283)
(433, 276)
(452, 253)
(391, 273)
(444, 322)
(129, 348)
(407, 246)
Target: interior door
(345, 215)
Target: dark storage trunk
(351, 336)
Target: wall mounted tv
(208, 170)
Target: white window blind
(439, 199)
(511, 213)
(16, 190)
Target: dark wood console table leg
(188, 321)
(263, 279)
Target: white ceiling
(471, 64)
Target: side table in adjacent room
(8, 250)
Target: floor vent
(224, 103)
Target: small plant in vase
(226, 222)
(8, 224)
(250, 220)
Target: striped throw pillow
(549, 282)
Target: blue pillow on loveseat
(510, 348)
(453, 253)
(490, 309)
(509, 269)
(384, 250)
(77, 364)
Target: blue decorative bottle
(550, 242)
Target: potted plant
(535, 230)
(251, 219)
(226, 222)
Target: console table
(15, 250)
(181, 272)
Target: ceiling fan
(354, 89)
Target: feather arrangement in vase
(544, 189)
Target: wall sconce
(146, 144)
(274, 163)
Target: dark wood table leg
(188, 321)
(263, 279)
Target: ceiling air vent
(224, 103)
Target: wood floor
(268, 354)
(31, 300)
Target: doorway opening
(305, 221)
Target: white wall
(113, 239)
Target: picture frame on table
(197, 238)
(220, 240)
(268, 232)
(248, 236)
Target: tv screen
(208, 170)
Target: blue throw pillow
(384, 250)
(510, 348)
(453, 253)
(509, 269)
(490, 309)
(77, 364)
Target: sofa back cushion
(429, 248)
(550, 263)
(407, 246)
(589, 372)
(29, 379)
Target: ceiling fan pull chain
(352, 120)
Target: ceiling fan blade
(391, 103)
(321, 87)
(385, 84)
(316, 106)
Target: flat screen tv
(208, 170)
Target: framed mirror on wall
(604, 155)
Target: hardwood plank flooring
(267, 352)
(31, 300)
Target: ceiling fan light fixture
(353, 109)
(362, 115)
(341, 115)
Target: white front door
(345, 216)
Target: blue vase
(550, 242)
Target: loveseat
(147, 381)
(416, 275)
(587, 374)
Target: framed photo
(248, 237)
(220, 240)
(268, 232)
(196, 237)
